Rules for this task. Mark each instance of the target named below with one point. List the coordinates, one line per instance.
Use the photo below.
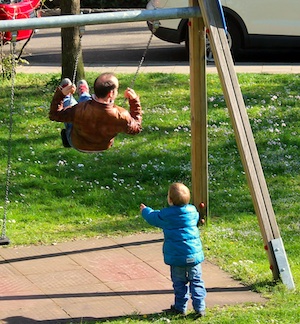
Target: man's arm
(135, 124)
(57, 111)
(134, 103)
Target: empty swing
(4, 240)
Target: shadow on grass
(163, 317)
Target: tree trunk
(71, 43)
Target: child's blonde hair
(179, 194)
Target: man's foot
(65, 82)
(82, 87)
(174, 311)
(64, 138)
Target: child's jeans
(188, 280)
(71, 101)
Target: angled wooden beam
(211, 12)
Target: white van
(251, 24)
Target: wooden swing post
(199, 151)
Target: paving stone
(98, 279)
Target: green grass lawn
(59, 194)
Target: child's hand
(69, 89)
(130, 94)
(142, 206)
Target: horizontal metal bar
(98, 18)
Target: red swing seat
(18, 9)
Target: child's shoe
(200, 313)
(82, 87)
(173, 310)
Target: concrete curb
(57, 11)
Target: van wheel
(234, 37)
(208, 50)
(233, 42)
(209, 55)
(187, 42)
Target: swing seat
(17, 10)
(4, 241)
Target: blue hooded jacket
(182, 244)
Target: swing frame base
(4, 241)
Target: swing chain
(9, 147)
(141, 61)
(2, 53)
(153, 30)
(81, 32)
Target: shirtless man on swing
(92, 125)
